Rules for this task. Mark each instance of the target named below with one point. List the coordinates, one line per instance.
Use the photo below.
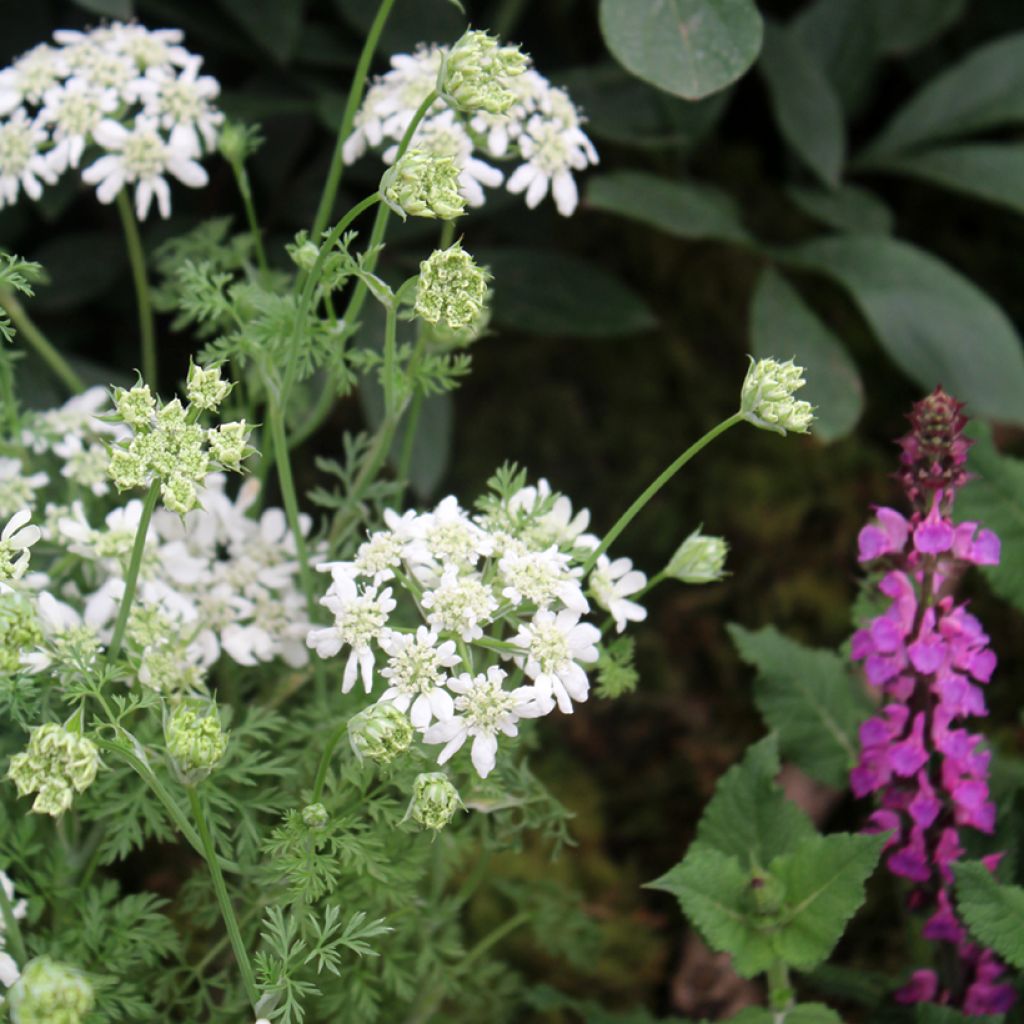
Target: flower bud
(237, 141)
(699, 559)
(452, 289)
(135, 406)
(229, 444)
(205, 388)
(179, 494)
(380, 732)
(766, 399)
(50, 993)
(419, 184)
(195, 741)
(434, 800)
(57, 763)
(475, 74)
(314, 816)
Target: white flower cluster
(133, 97)
(542, 130)
(495, 606)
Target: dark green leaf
(989, 170)
(809, 697)
(804, 1013)
(544, 292)
(275, 26)
(122, 9)
(415, 21)
(783, 325)
(985, 90)
(904, 27)
(691, 48)
(994, 913)
(806, 106)
(682, 209)
(932, 1013)
(936, 325)
(848, 208)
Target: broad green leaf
(806, 107)
(906, 26)
(849, 208)
(994, 913)
(804, 1013)
(273, 25)
(783, 325)
(682, 209)
(994, 497)
(936, 325)
(749, 818)
(824, 887)
(714, 892)
(541, 291)
(809, 697)
(993, 171)
(985, 90)
(690, 48)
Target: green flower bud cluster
(380, 732)
(452, 289)
(49, 992)
(315, 816)
(699, 559)
(170, 446)
(238, 141)
(441, 337)
(56, 764)
(420, 184)
(19, 631)
(434, 800)
(195, 741)
(475, 74)
(767, 401)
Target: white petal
(485, 747)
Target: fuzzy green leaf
(994, 913)
(809, 697)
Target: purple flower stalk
(929, 657)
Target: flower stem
(780, 991)
(44, 348)
(663, 478)
(355, 97)
(226, 909)
(325, 761)
(132, 576)
(12, 929)
(137, 259)
(245, 191)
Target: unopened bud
(452, 289)
(475, 74)
(699, 559)
(50, 993)
(195, 740)
(766, 399)
(420, 184)
(205, 388)
(314, 816)
(434, 800)
(380, 732)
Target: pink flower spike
(934, 535)
(909, 756)
(921, 988)
(986, 549)
(925, 806)
(943, 925)
(912, 860)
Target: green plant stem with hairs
(245, 191)
(42, 346)
(137, 260)
(224, 900)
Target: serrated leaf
(824, 885)
(994, 913)
(749, 818)
(985, 90)
(713, 890)
(783, 325)
(994, 497)
(691, 48)
(683, 209)
(809, 698)
(848, 208)
(806, 107)
(935, 324)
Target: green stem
(409, 441)
(355, 97)
(245, 191)
(132, 576)
(780, 990)
(44, 348)
(7, 400)
(226, 909)
(630, 514)
(390, 358)
(137, 259)
(12, 929)
(325, 761)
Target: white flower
(183, 101)
(9, 973)
(141, 156)
(18, 491)
(611, 583)
(17, 537)
(74, 110)
(460, 604)
(379, 556)
(452, 538)
(78, 415)
(416, 676)
(541, 577)
(359, 620)
(557, 524)
(29, 77)
(149, 47)
(483, 710)
(21, 163)
(554, 644)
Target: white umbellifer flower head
(30, 76)
(416, 675)
(451, 538)
(17, 537)
(379, 555)
(542, 577)
(21, 163)
(73, 111)
(460, 604)
(483, 710)
(554, 646)
(359, 621)
(767, 401)
(184, 100)
(699, 559)
(557, 525)
(612, 583)
(140, 156)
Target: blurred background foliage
(854, 201)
